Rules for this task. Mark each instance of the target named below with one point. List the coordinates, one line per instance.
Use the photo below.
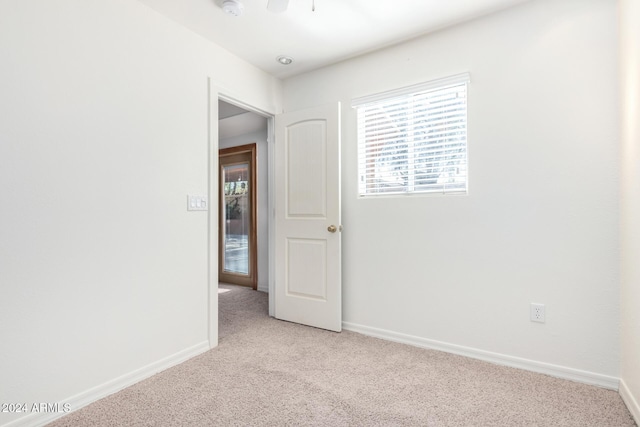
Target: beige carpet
(271, 373)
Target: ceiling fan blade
(277, 6)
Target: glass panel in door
(237, 218)
(238, 229)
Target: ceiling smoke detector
(233, 7)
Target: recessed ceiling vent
(284, 60)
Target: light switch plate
(197, 203)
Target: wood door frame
(249, 151)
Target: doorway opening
(241, 259)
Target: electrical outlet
(537, 312)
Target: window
(414, 140)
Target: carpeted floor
(267, 372)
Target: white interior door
(308, 286)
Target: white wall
(630, 205)
(103, 133)
(260, 138)
(540, 222)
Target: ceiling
(226, 110)
(235, 121)
(336, 30)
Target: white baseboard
(84, 398)
(630, 401)
(497, 358)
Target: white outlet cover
(537, 313)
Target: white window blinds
(414, 140)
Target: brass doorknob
(332, 229)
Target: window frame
(408, 93)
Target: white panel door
(308, 286)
